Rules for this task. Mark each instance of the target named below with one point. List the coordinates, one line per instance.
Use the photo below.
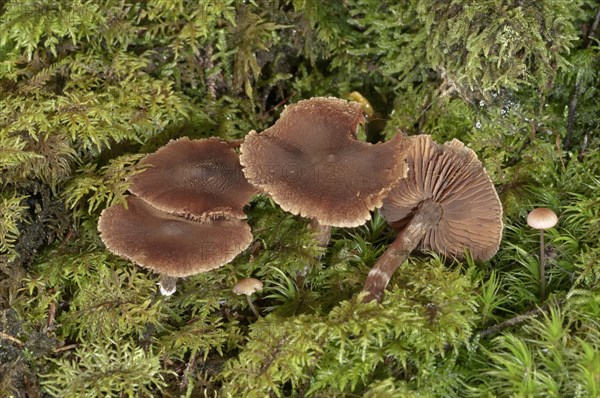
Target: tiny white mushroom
(542, 219)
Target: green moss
(87, 88)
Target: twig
(65, 348)
(593, 29)
(559, 151)
(277, 105)
(11, 338)
(571, 117)
(583, 148)
(577, 88)
(211, 80)
(186, 373)
(492, 330)
(51, 315)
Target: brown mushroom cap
(311, 164)
(247, 286)
(169, 244)
(451, 176)
(195, 178)
(542, 218)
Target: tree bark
(573, 101)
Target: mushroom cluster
(186, 214)
(447, 203)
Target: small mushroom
(248, 286)
(447, 203)
(169, 244)
(311, 164)
(194, 178)
(542, 219)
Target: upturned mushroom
(248, 286)
(312, 165)
(447, 203)
(169, 244)
(542, 219)
(194, 178)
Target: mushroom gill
(447, 203)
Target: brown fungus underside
(312, 165)
(169, 244)
(194, 178)
(447, 203)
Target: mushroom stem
(167, 284)
(542, 266)
(235, 144)
(322, 232)
(427, 216)
(252, 307)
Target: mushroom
(542, 219)
(168, 244)
(311, 164)
(194, 178)
(248, 286)
(447, 203)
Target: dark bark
(576, 90)
(495, 329)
